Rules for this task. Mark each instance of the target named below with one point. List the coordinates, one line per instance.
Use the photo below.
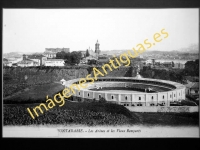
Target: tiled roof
(35, 56)
(26, 61)
(193, 85)
(55, 60)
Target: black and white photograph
(100, 72)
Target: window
(124, 104)
(79, 93)
(163, 96)
(88, 94)
(126, 97)
(196, 91)
(152, 97)
(139, 98)
(112, 97)
(99, 95)
(127, 104)
(133, 105)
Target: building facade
(97, 48)
(179, 65)
(51, 52)
(192, 89)
(38, 58)
(54, 62)
(26, 62)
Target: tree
(172, 64)
(102, 100)
(87, 53)
(76, 57)
(60, 55)
(70, 58)
(192, 68)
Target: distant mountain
(19, 54)
(113, 52)
(37, 53)
(193, 48)
(12, 54)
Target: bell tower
(97, 47)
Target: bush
(18, 115)
(102, 100)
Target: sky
(33, 30)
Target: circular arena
(128, 91)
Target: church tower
(97, 47)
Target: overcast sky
(33, 30)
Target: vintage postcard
(100, 73)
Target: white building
(192, 88)
(51, 52)
(54, 62)
(179, 65)
(149, 61)
(27, 62)
(38, 58)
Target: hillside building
(51, 52)
(38, 58)
(55, 62)
(26, 62)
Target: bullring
(129, 91)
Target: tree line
(72, 58)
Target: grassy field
(169, 119)
(35, 93)
(95, 113)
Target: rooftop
(193, 85)
(55, 60)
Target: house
(102, 59)
(91, 57)
(38, 58)
(63, 81)
(83, 54)
(167, 64)
(179, 66)
(27, 62)
(54, 62)
(149, 61)
(192, 89)
(51, 52)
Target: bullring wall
(177, 92)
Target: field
(94, 113)
(36, 93)
(90, 114)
